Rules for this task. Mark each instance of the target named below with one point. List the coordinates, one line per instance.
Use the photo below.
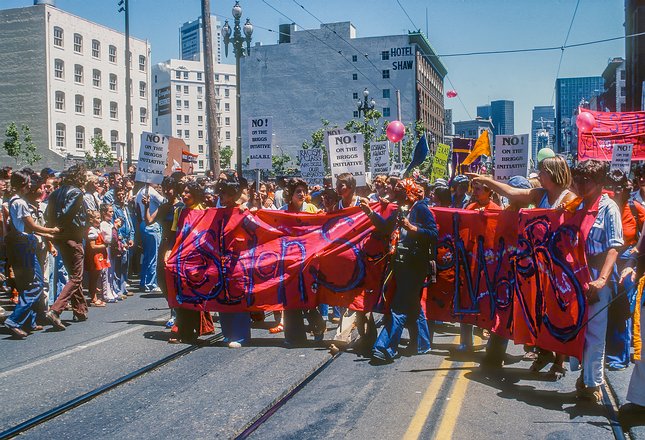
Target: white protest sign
(346, 156)
(311, 165)
(379, 158)
(260, 141)
(397, 169)
(511, 156)
(153, 154)
(332, 132)
(621, 158)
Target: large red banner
(612, 128)
(520, 274)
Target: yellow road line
(427, 402)
(453, 408)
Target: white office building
(64, 76)
(318, 74)
(180, 106)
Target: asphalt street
(217, 392)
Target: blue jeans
(389, 338)
(151, 237)
(236, 327)
(21, 253)
(119, 270)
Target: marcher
(150, 236)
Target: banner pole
(398, 118)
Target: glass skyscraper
(569, 92)
(503, 114)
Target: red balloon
(586, 122)
(451, 93)
(395, 131)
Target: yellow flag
(482, 146)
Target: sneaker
(234, 344)
(590, 394)
(2, 311)
(170, 323)
(54, 320)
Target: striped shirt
(607, 229)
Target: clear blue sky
(454, 26)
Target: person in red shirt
(482, 198)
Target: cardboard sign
(379, 158)
(511, 156)
(397, 169)
(346, 156)
(440, 163)
(153, 155)
(621, 158)
(311, 165)
(260, 142)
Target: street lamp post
(239, 51)
(365, 105)
(123, 7)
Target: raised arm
(517, 195)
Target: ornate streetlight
(239, 51)
(365, 105)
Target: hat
(519, 182)
(459, 179)
(440, 182)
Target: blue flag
(418, 155)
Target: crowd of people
(77, 239)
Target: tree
(371, 127)
(101, 155)
(318, 141)
(24, 149)
(226, 154)
(280, 164)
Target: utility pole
(211, 106)
(128, 84)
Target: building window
(186, 134)
(98, 133)
(216, 77)
(200, 120)
(386, 93)
(78, 43)
(200, 149)
(185, 75)
(622, 75)
(112, 54)
(178, 133)
(623, 91)
(113, 82)
(178, 119)
(186, 90)
(178, 104)
(142, 89)
(58, 37)
(186, 104)
(142, 63)
(143, 115)
(226, 78)
(178, 89)
(79, 104)
(385, 55)
(200, 134)
(228, 136)
(177, 74)
(78, 74)
(186, 119)
(59, 68)
(227, 107)
(200, 164)
(227, 93)
(60, 101)
(354, 58)
(96, 48)
(227, 121)
(354, 76)
(98, 107)
(200, 105)
(60, 136)
(80, 137)
(96, 78)
(355, 114)
(114, 110)
(386, 74)
(199, 76)
(200, 90)
(386, 112)
(114, 140)
(355, 95)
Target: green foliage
(281, 165)
(371, 127)
(21, 150)
(225, 156)
(318, 141)
(101, 154)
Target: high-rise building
(191, 40)
(502, 113)
(635, 55)
(277, 81)
(447, 129)
(473, 128)
(614, 96)
(180, 106)
(569, 93)
(64, 77)
(483, 111)
(542, 129)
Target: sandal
(97, 303)
(557, 372)
(544, 358)
(277, 329)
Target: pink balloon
(585, 122)
(395, 131)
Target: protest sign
(397, 169)
(311, 165)
(346, 156)
(612, 128)
(511, 156)
(260, 142)
(379, 158)
(621, 158)
(440, 163)
(153, 155)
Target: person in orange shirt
(482, 198)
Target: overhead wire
(557, 74)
